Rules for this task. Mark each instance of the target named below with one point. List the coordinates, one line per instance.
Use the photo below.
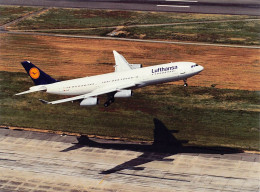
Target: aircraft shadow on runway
(164, 145)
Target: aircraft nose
(201, 68)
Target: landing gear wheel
(106, 104)
(109, 102)
(110, 99)
(185, 83)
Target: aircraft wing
(94, 93)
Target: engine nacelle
(135, 66)
(90, 101)
(124, 93)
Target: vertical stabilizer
(37, 75)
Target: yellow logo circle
(34, 73)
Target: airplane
(116, 84)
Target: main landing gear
(110, 99)
(109, 102)
(185, 83)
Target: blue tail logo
(37, 75)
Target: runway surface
(37, 162)
(237, 7)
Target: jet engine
(90, 101)
(135, 66)
(124, 93)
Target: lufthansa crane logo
(34, 73)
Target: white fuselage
(140, 77)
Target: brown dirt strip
(64, 133)
(137, 25)
(232, 68)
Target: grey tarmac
(38, 162)
(235, 7)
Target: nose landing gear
(185, 83)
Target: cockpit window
(194, 65)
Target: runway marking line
(103, 179)
(174, 6)
(185, 1)
(252, 152)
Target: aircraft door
(182, 70)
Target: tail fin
(37, 75)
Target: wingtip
(22, 93)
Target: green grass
(72, 20)
(59, 18)
(204, 116)
(230, 32)
(10, 13)
(242, 32)
(94, 32)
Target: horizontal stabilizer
(25, 92)
(33, 89)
